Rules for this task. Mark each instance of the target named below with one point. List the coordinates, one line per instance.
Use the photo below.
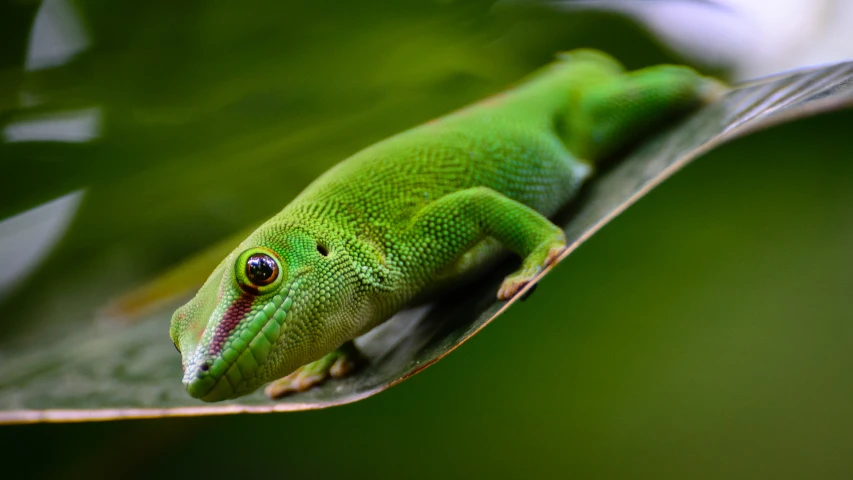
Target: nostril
(204, 366)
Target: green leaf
(107, 370)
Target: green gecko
(399, 220)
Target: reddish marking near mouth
(229, 322)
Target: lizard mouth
(224, 368)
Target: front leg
(337, 364)
(444, 230)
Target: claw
(516, 282)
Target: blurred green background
(705, 333)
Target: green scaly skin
(401, 218)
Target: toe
(554, 254)
(298, 381)
(511, 286)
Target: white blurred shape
(27, 238)
(57, 35)
(74, 126)
(833, 34)
(752, 37)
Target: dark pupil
(261, 269)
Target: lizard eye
(261, 269)
(258, 271)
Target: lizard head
(277, 302)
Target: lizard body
(407, 215)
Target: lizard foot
(340, 363)
(518, 280)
